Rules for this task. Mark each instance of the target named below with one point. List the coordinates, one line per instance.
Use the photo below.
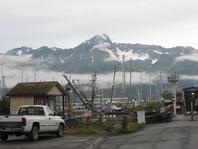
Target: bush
(152, 105)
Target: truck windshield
(31, 111)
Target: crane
(79, 93)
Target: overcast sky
(67, 23)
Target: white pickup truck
(31, 120)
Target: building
(191, 95)
(35, 93)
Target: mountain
(102, 54)
(20, 51)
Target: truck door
(52, 121)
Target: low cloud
(12, 61)
(192, 57)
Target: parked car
(31, 120)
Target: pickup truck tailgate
(10, 121)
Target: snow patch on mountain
(154, 61)
(104, 36)
(54, 49)
(19, 53)
(132, 55)
(158, 52)
(167, 53)
(62, 61)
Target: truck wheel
(34, 133)
(60, 131)
(4, 136)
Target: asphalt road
(174, 135)
(48, 142)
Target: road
(174, 135)
(48, 142)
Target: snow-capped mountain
(20, 51)
(102, 54)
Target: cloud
(191, 57)
(66, 23)
(12, 61)
(188, 77)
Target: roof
(190, 89)
(34, 88)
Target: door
(52, 120)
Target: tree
(4, 105)
(167, 95)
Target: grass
(82, 131)
(132, 127)
(113, 129)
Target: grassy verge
(132, 127)
(110, 128)
(82, 131)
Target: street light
(191, 105)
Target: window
(31, 111)
(49, 111)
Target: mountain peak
(101, 38)
(20, 51)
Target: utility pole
(27, 78)
(93, 82)
(131, 78)
(141, 85)
(113, 85)
(160, 85)
(35, 77)
(123, 77)
(173, 79)
(2, 82)
(150, 89)
(0, 91)
(22, 73)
